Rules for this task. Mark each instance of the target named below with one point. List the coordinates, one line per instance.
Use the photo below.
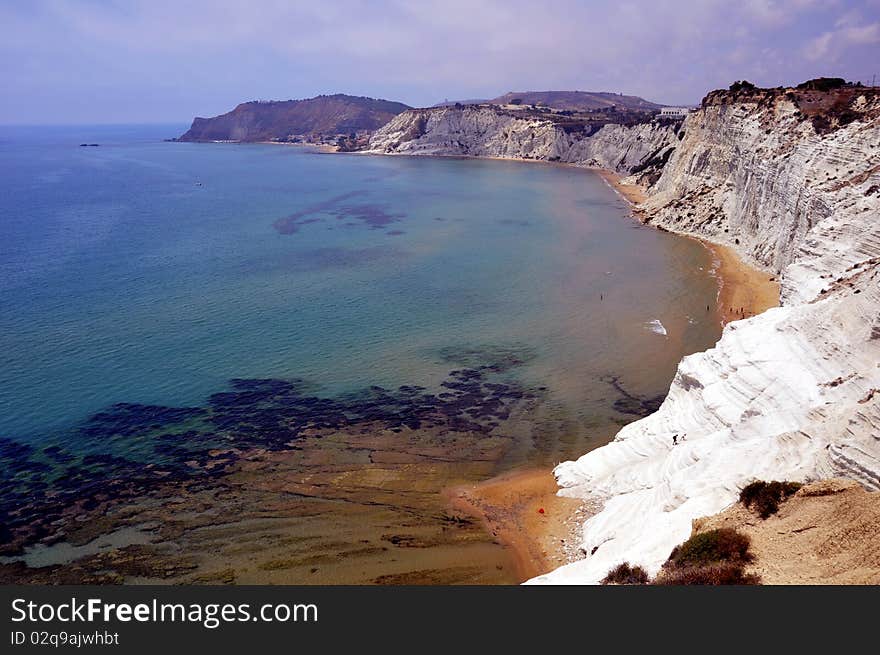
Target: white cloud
(774, 13)
(832, 45)
(865, 34)
(819, 47)
(767, 12)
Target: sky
(161, 61)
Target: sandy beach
(744, 290)
(632, 192)
(522, 511)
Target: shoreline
(632, 193)
(307, 480)
(744, 290)
(521, 509)
(317, 147)
(508, 505)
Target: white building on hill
(674, 112)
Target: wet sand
(353, 506)
(522, 511)
(631, 192)
(352, 495)
(744, 290)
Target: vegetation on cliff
(626, 573)
(715, 557)
(765, 497)
(829, 103)
(577, 100)
(287, 119)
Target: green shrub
(822, 84)
(724, 545)
(765, 497)
(626, 574)
(716, 557)
(742, 85)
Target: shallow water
(153, 273)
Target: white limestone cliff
(791, 394)
(483, 131)
(475, 131)
(641, 149)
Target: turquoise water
(149, 272)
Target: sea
(142, 278)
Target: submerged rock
(129, 450)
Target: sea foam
(654, 325)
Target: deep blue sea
(143, 271)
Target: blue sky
(92, 61)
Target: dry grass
(625, 573)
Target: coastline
(633, 193)
(508, 505)
(522, 511)
(744, 290)
(323, 473)
(317, 147)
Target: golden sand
(522, 511)
(745, 290)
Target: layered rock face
(790, 178)
(755, 174)
(476, 131)
(641, 150)
(486, 131)
(792, 181)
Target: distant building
(674, 112)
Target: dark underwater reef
(128, 449)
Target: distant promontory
(295, 120)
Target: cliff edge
(623, 141)
(790, 178)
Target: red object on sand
(541, 511)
